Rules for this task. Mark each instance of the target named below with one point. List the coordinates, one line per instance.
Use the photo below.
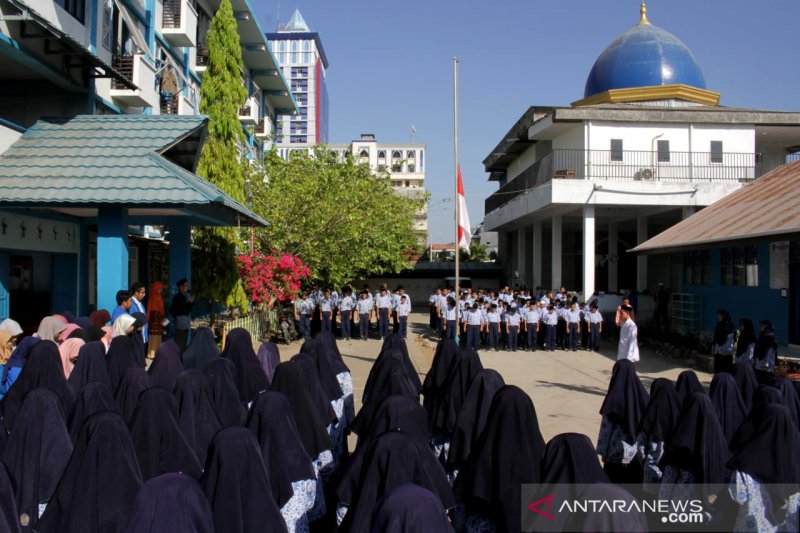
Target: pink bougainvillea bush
(270, 278)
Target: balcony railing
(179, 22)
(141, 73)
(646, 166)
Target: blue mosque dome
(644, 56)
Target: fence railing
(630, 165)
(260, 325)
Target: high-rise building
(303, 61)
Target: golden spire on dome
(643, 11)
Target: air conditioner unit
(643, 174)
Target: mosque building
(647, 146)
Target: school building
(741, 254)
(647, 146)
(100, 133)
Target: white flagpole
(458, 218)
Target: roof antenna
(643, 12)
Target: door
(65, 283)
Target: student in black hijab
(472, 417)
(37, 453)
(93, 398)
(606, 520)
(766, 470)
(202, 350)
(569, 459)
(327, 342)
(90, 366)
(507, 454)
(696, 452)
(160, 445)
(269, 357)
(728, 404)
(765, 353)
(166, 367)
(42, 369)
(95, 333)
(745, 343)
(396, 413)
(654, 429)
(321, 392)
(390, 377)
(767, 394)
(15, 363)
(134, 383)
(453, 393)
(746, 382)
(445, 356)
(171, 503)
(79, 333)
(623, 407)
(196, 416)
(289, 380)
(249, 377)
(392, 460)
(236, 485)
(224, 395)
(395, 341)
(9, 516)
(790, 398)
(410, 508)
(137, 339)
(289, 468)
(722, 347)
(119, 359)
(687, 384)
(96, 492)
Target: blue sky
(390, 67)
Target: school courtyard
(567, 388)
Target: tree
(342, 220)
(221, 96)
(215, 273)
(273, 277)
(477, 253)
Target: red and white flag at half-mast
(464, 233)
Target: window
(306, 51)
(421, 160)
(663, 151)
(616, 149)
(739, 266)
(108, 16)
(696, 269)
(295, 53)
(299, 72)
(297, 139)
(76, 8)
(382, 154)
(716, 151)
(364, 153)
(397, 161)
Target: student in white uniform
(473, 324)
(594, 320)
(512, 328)
(532, 325)
(573, 318)
(384, 305)
(449, 320)
(346, 305)
(493, 320)
(550, 321)
(364, 310)
(628, 342)
(403, 310)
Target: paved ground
(567, 387)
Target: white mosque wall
(682, 137)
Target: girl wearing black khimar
(745, 342)
(766, 470)
(134, 383)
(118, 360)
(224, 395)
(655, 427)
(746, 382)
(389, 378)
(9, 516)
(607, 520)
(722, 346)
(472, 418)
(90, 366)
(728, 404)
(290, 381)
(395, 341)
(687, 384)
(160, 445)
(249, 377)
(411, 508)
(99, 485)
(569, 459)
(37, 453)
(196, 416)
(696, 453)
(137, 339)
(202, 350)
(42, 369)
(394, 459)
(444, 358)
(236, 485)
(622, 409)
(291, 472)
(166, 367)
(507, 454)
(170, 503)
(93, 398)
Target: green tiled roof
(107, 159)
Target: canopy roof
(144, 163)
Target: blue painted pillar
(180, 254)
(112, 256)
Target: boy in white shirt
(403, 310)
(594, 320)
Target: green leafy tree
(477, 252)
(215, 274)
(221, 96)
(342, 220)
